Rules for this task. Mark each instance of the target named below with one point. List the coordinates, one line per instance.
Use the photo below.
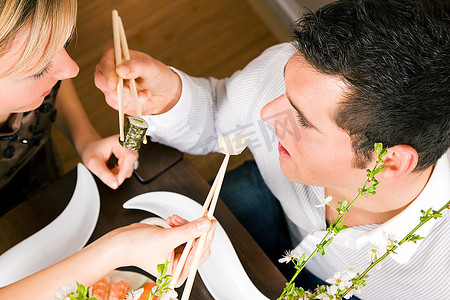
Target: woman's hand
(96, 153)
(146, 246)
(138, 244)
(159, 88)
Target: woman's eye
(43, 72)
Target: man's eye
(302, 122)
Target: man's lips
(283, 152)
(46, 93)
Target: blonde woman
(33, 65)
(35, 91)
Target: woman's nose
(66, 67)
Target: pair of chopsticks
(121, 46)
(211, 202)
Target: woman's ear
(399, 161)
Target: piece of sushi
(100, 289)
(119, 290)
(134, 132)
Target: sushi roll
(135, 129)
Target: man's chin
(287, 171)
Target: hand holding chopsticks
(121, 46)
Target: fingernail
(203, 224)
(113, 183)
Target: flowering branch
(163, 283)
(393, 245)
(369, 187)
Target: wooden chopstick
(219, 178)
(176, 274)
(118, 57)
(132, 82)
(126, 56)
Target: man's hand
(159, 88)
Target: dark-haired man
(359, 72)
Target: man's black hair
(394, 56)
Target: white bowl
(64, 236)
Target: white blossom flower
(171, 294)
(288, 255)
(341, 280)
(325, 201)
(134, 295)
(352, 271)
(373, 255)
(63, 292)
(349, 274)
(328, 294)
(332, 290)
(390, 239)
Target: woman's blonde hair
(41, 18)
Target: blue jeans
(250, 200)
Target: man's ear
(399, 161)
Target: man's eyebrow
(301, 115)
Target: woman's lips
(46, 93)
(283, 152)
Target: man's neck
(391, 199)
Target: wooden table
(174, 174)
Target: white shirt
(211, 107)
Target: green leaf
(415, 237)
(320, 249)
(336, 230)
(378, 148)
(436, 214)
(380, 151)
(328, 242)
(162, 269)
(344, 203)
(425, 214)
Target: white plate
(64, 236)
(223, 273)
